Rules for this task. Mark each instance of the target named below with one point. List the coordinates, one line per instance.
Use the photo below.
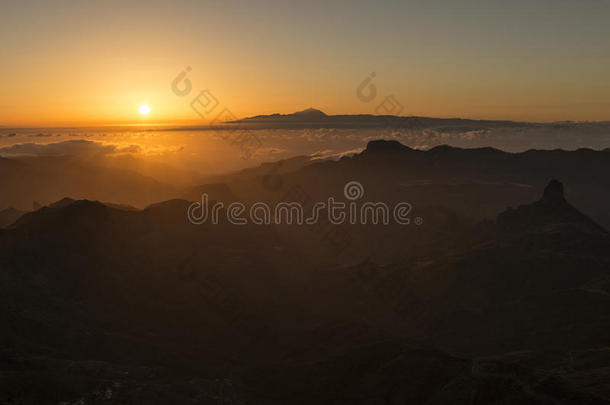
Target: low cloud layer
(208, 152)
(77, 147)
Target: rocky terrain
(107, 304)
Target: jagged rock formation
(552, 214)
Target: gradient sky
(95, 62)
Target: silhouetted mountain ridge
(164, 311)
(313, 118)
(383, 146)
(551, 213)
(46, 179)
(9, 216)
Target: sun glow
(144, 109)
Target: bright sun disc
(144, 109)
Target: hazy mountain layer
(111, 304)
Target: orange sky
(86, 63)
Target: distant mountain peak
(382, 145)
(310, 112)
(307, 115)
(553, 192)
(64, 202)
(551, 213)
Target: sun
(144, 109)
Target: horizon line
(196, 124)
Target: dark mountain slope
(46, 179)
(93, 296)
(478, 183)
(537, 281)
(9, 215)
(550, 212)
